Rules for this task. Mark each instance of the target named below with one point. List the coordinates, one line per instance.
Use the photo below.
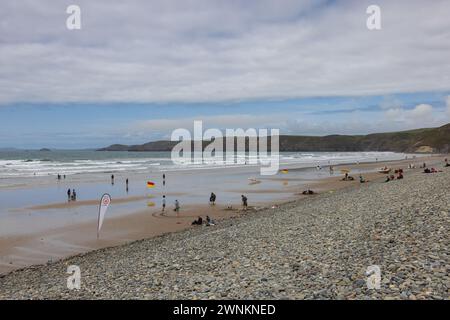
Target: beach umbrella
(104, 204)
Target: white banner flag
(104, 204)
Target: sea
(29, 163)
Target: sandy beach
(58, 230)
(346, 200)
(314, 247)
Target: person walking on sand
(177, 207)
(244, 202)
(164, 203)
(69, 195)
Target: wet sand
(17, 251)
(74, 204)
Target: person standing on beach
(177, 207)
(126, 185)
(212, 199)
(69, 194)
(112, 179)
(74, 195)
(164, 179)
(164, 203)
(244, 202)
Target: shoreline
(172, 263)
(136, 226)
(99, 177)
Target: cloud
(221, 122)
(421, 111)
(422, 115)
(195, 51)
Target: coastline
(188, 264)
(47, 246)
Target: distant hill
(430, 140)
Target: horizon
(306, 68)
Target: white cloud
(422, 115)
(158, 51)
(421, 111)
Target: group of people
(199, 221)
(432, 170)
(212, 201)
(59, 176)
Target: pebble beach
(314, 248)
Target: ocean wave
(44, 167)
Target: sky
(137, 70)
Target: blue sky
(137, 70)
(95, 125)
